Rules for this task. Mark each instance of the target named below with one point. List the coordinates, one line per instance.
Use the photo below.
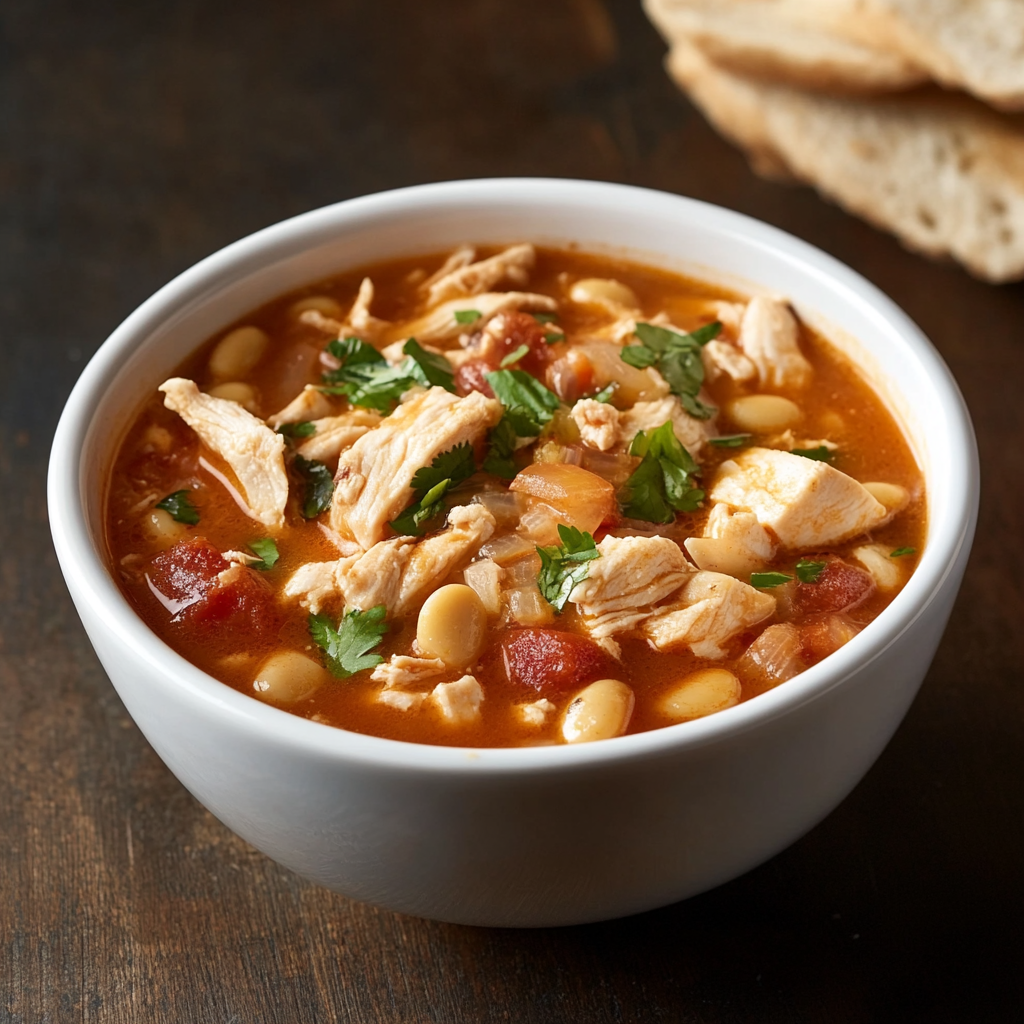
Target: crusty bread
(802, 42)
(943, 172)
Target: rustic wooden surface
(135, 139)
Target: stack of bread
(902, 111)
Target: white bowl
(541, 835)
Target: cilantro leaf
(267, 550)
(365, 378)
(516, 389)
(564, 565)
(346, 649)
(663, 482)
(350, 352)
(900, 552)
(767, 580)
(545, 318)
(551, 338)
(501, 443)
(819, 454)
(808, 571)
(180, 507)
(730, 440)
(515, 356)
(294, 430)
(430, 484)
(428, 368)
(605, 394)
(319, 486)
(467, 316)
(677, 358)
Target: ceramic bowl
(542, 835)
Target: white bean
(892, 496)
(701, 693)
(286, 677)
(238, 352)
(451, 625)
(322, 304)
(761, 414)
(161, 528)
(603, 291)
(236, 391)
(877, 559)
(598, 712)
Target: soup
(511, 497)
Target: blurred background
(136, 139)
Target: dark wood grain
(135, 139)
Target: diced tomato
(185, 572)
(522, 329)
(470, 377)
(552, 661)
(837, 588)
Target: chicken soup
(517, 496)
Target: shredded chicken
(734, 543)
(374, 475)
(709, 610)
(440, 323)
(458, 702)
(632, 575)
(364, 324)
(806, 503)
(724, 359)
(535, 713)
(768, 337)
(401, 700)
(461, 257)
(309, 404)
(252, 450)
(598, 423)
(513, 264)
(402, 670)
(647, 416)
(336, 433)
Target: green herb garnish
(516, 389)
(551, 338)
(663, 482)
(515, 356)
(677, 358)
(564, 565)
(319, 486)
(364, 377)
(545, 318)
(605, 394)
(180, 507)
(431, 369)
(267, 550)
(294, 430)
(730, 440)
(346, 649)
(431, 484)
(900, 552)
(808, 571)
(467, 316)
(819, 454)
(767, 580)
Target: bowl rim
(92, 584)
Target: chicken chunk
(440, 323)
(336, 433)
(598, 423)
(252, 450)
(535, 713)
(364, 324)
(458, 702)
(768, 337)
(309, 404)
(396, 573)
(647, 416)
(709, 610)
(734, 543)
(632, 575)
(722, 359)
(374, 475)
(402, 670)
(806, 503)
(513, 264)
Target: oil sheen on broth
(591, 498)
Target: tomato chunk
(470, 377)
(552, 661)
(517, 329)
(837, 588)
(186, 572)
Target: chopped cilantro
(730, 440)
(319, 486)
(516, 389)
(819, 454)
(663, 482)
(551, 338)
(467, 316)
(564, 565)
(267, 550)
(347, 648)
(808, 571)
(605, 394)
(767, 580)
(428, 368)
(900, 552)
(365, 378)
(431, 484)
(180, 507)
(501, 443)
(293, 430)
(515, 356)
(677, 358)
(545, 318)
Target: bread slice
(808, 43)
(941, 171)
(977, 45)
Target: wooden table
(138, 138)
